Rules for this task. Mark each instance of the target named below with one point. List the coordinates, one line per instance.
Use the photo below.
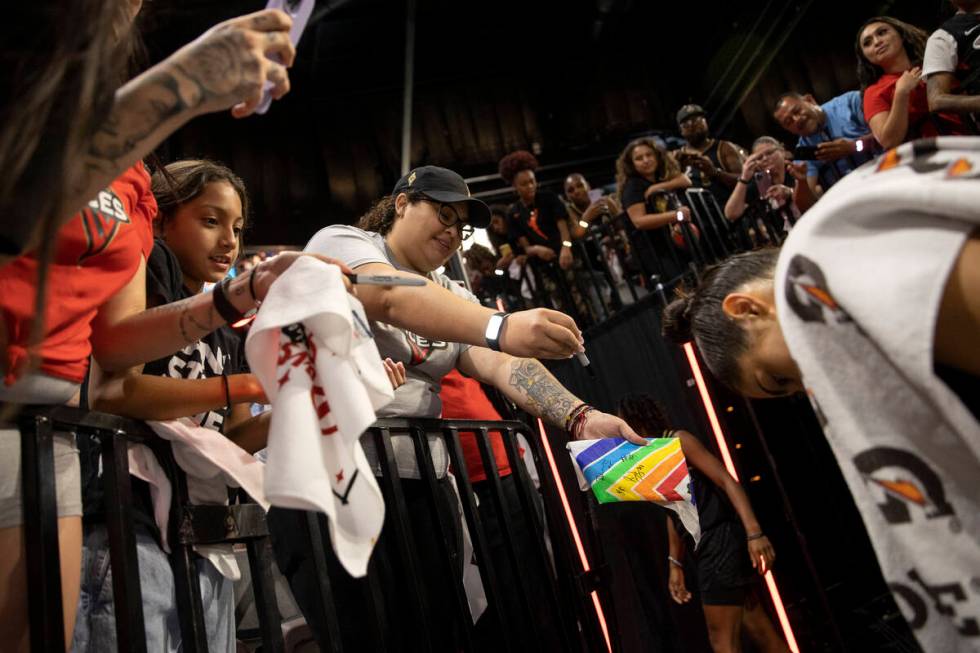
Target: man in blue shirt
(836, 129)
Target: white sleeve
(940, 55)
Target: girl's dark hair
(180, 182)
(697, 314)
(516, 162)
(667, 167)
(644, 414)
(381, 217)
(498, 209)
(913, 40)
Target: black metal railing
(553, 611)
(617, 264)
(189, 526)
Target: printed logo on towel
(297, 355)
(914, 600)
(422, 347)
(199, 361)
(906, 484)
(100, 222)
(807, 293)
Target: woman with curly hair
(538, 223)
(889, 67)
(538, 219)
(646, 178)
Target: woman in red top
(95, 299)
(889, 54)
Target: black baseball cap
(689, 111)
(443, 185)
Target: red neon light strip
(709, 408)
(574, 528)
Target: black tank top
(712, 504)
(714, 186)
(963, 28)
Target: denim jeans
(95, 623)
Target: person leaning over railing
(203, 212)
(873, 307)
(95, 301)
(646, 177)
(432, 329)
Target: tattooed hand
(228, 65)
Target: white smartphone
(300, 11)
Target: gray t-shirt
(426, 361)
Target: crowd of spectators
(911, 86)
(108, 291)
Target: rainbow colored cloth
(618, 470)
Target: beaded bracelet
(580, 422)
(572, 415)
(755, 536)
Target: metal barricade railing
(189, 525)
(553, 618)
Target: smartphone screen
(299, 11)
(805, 153)
(595, 194)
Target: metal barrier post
(481, 548)
(497, 492)
(423, 458)
(333, 637)
(397, 520)
(525, 490)
(41, 534)
(126, 590)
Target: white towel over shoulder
(311, 348)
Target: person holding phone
(431, 329)
(769, 185)
(710, 163)
(833, 140)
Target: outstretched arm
(531, 386)
(759, 548)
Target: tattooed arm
(530, 385)
(225, 67)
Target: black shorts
(725, 573)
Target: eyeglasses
(449, 216)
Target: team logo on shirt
(807, 293)
(422, 347)
(100, 222)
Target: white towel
(858, 289)
(311, 348)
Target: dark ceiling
(571, 80)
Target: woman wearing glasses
(431, 329)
